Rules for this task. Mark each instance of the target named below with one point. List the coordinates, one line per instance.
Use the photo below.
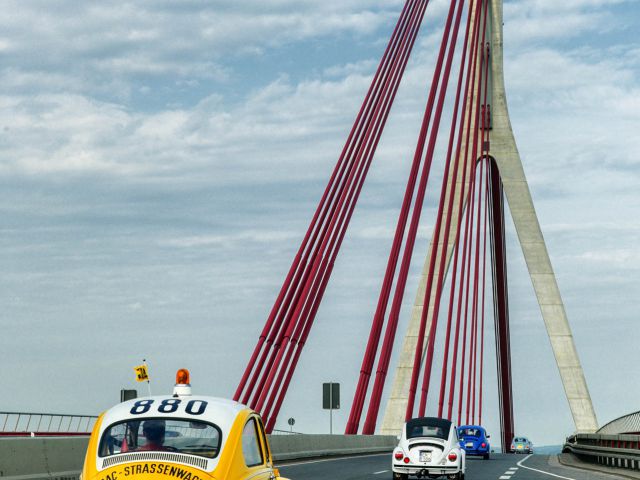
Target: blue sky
(160, 161)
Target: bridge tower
(505, 153)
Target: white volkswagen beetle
(429, 448)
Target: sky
(160, 162)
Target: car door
(254, 452)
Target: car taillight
(406, 460)
(452, 457)
(399, 455)
(513, 447)
(483, 445)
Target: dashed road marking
(381, 471)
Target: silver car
(521, 445)
(428, 446)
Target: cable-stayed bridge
(464, 282)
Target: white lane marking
(295, 464)
(513, 468)
(381, 471)
(504, 477)
(541, 471)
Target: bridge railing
(617, 451)
(16, 424)
(275, 431)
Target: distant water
(548, 449)
(539, 450)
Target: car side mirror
(488, 436)
(398, 437)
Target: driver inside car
(153, 431)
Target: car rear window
(161, 435)
(428, 427)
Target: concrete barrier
(56, 458)
(42, 458)
(293, 447)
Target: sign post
(291, 422)
(331, 400)
(127, 394)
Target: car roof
(219, 411)
(479, 427)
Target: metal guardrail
(14, 424)
(618, 451)
(275, 431)
(625, 425)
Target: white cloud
(626, 258)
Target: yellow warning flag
(142, 375)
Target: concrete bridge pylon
(504, 151)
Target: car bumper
(430, 469)
(478, 453)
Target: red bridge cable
(368, 156)
(471, 386)
(459, 195)
(376, 329)
(429, 156)
(336, 184)
(475, 289)
(464, 194)
(465, 329)
(345, 200)
(474, 152)
(445, 237)
(272, 418)
(465, 266)
(309, 312)
(321, 207)
(387, 347)
(448, 216)
(310, 285)
(485, 146)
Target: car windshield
(161, 435)
(469, 432)
(428, 427)
(521, 440)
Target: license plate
(519, 447)
(470, 444)
(425, 456)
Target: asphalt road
(499, 467)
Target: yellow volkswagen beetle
(179, 437)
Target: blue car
(474, 440)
